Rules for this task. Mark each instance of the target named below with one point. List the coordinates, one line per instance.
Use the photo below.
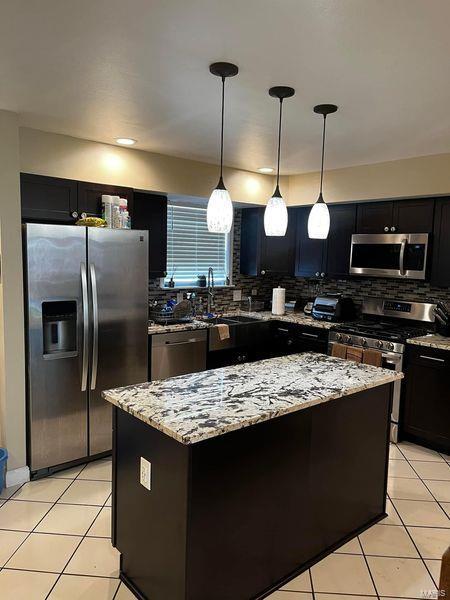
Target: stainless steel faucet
(211, 294)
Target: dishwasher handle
(190, 341)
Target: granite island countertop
(433, 340)
(199, 406)
(299, 318)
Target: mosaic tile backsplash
(299, 287)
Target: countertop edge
(194, 439)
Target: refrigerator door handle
(95, 327)
(85, 301)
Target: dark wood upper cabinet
(265, 255)
(374, 217)
(413, 216)
(90, 197)
(48, 199)
(399, 216)
(310, 255)
(440, 272)
(150, 213)
(338, 246)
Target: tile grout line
(424, 482)
(368, 568)
(82, 539)
(410, 536)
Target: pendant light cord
(221, 129)
(279, 143)
(323, 152)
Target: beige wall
(64, 156)
(12, 351)
(421, 176)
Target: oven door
(389, 255)
(394, 361)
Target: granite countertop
(433, 340)
(195, 324)
(290, 317)
(199, 406)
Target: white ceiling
(100, 69)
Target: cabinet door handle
(74, 214)
(317, 274)
(393, 229)
(283, 330)
(311, 335)
(440, 360)
(322, 274)
(386, 229)
(263, 272)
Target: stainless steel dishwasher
(178, 353)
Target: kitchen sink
(240, 319)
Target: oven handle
(402, 256)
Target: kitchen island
(257, 471)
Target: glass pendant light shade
(276, 216)
(319, 216)
(219, 214)
(319, 221)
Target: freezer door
(118, 280)
(54, 266)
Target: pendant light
(276, 215)
(319, 217)
(219, 215)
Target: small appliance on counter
(333, 307)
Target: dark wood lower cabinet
(426, 412)
(235, 517)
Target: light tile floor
(54, 539)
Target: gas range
(382, 335)
(386, 325)
(383, 325)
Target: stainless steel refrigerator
(86, 329)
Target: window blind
(192, 249)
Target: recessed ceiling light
(265, 170)
(126, 141)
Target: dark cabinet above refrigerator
(262, 254)
(53, 200)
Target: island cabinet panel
(236, 516)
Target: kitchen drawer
(428, 357)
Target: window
(192, 249)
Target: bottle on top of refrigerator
(123, 213)
(107, 206)
(116, 212)
(126, 222)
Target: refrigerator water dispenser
(59, 323)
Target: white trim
(17, 476)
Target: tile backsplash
(299, 287)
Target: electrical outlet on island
(146, 473)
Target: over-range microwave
(401, 255)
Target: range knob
(390, 346)
(379, 344)
(339, 337)
(364, 341)
(348, 339)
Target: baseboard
(17, 476)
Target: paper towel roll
(278, 301)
